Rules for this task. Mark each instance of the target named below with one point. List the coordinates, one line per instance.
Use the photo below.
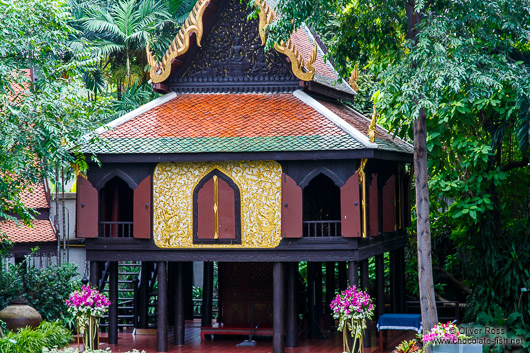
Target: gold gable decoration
(180, 45)
(160, 71)
(259, 183)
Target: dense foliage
(466, 64)
(28, 340)
(45, 289)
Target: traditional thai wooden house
(250, 160)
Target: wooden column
(342, 276)
(353, 273)
(113, 297)
(94, 274)
(291, 338)
(143, 301)
(365, 285)
(161, 321)
(401, 279)
(179, 304)
(380, 280)
(278, 297)
(330, 291)
(171, 275)
(188, 290)
(207, 294)
(394, 296)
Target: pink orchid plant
(352, 307)
(88, 302)
(446, 333)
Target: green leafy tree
(44, 121)
(458, 69)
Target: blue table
(397, 322)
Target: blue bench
(398, 322)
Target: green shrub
(45, 289)
(28, 340)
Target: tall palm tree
(125, 28)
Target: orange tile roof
(40, 231)
(228, 122)
(35, 197)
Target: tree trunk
(429, 315)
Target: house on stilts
(249, 160)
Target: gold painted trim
(180, 45)
(216, 207)
(303, 70)
(353, 79)
(371, 128)
(362, 182)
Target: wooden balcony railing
(116, 229)
(325, 228)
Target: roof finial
(353, 78)
(371, 128)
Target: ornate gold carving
(301, 69)
(259, 183)
(193, 24)
(371, 128)
(216, 207)
(362, 182)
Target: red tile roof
(228, 115)
(35, 197)
(40, 231)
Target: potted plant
(88, 305)
(352, 307)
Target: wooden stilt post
(342, 276)
(179, 304)
(394, 295)
(113, 297)
(353, 273)
(278, 297)
(188, 290)
(401, 278)
(161, 322)
(143, 294)
(207, 295)
(380, 280)
(330, 291)
(365, 285)
(94, 274)
(291, 339)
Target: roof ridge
(334, 118)
(138, 111)
(355, 111)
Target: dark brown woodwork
(278, 338)
(229, 210)
(407, 197)
(365, 285)
(86, 209)
(188, 290)
(401, 279)
(330, 292)
(207, 294)
(113, 297)
(252, 156)
(142, 210)
(350, 206)
(94, 273)
(179, 304)
(161, 321)
(291, 337)
(291, 208)
(373, 207)
(389, 205)
(353, 273)
(380, 284)
(246, 294)
(343, 276)
(143, 293)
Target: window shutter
(86, 209)
(291, 208)
(350, 207)
(142, 210)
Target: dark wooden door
(246, 293)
